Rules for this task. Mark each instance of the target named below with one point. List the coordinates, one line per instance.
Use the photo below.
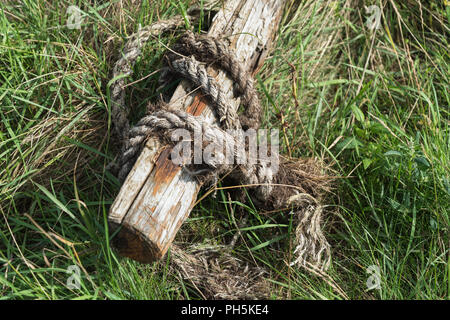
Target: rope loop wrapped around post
(188, 58)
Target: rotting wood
(157, 195)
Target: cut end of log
(131, 244)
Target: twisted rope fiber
(211, 50)
(196, 72)
(311, 245)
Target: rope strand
(183, 59)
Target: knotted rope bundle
(297, 185)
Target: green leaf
(367, 162)
(393, 153)
(359, 115)
(55, 201)
(266, 243)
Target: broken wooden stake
(157, 195)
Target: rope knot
(184, 60)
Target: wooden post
(157, 195)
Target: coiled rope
(297, 184)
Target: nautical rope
(183, 59)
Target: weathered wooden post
(157, 195)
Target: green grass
(374, 107)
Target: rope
(183, 59)
(214, 51)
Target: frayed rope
(311, 246)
